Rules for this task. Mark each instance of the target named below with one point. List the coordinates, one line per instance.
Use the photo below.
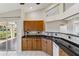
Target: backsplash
(33, 33)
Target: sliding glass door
(3, 39)
(8, 38)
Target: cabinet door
(38, 44)
(41, 25)
(34, 44)
(62, 53)
(29, 44)
(24, 44)
(44, 42)
(34, 25)
(49, 47)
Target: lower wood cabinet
(62, 53)
(47, 46)
(24, 45)
(31, 44)
(37, 43)
(34, 44)
(44, 44)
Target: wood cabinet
(47, 46)
(37, 43)
(44, 45)
(24, 44)
(33, 25)
(62, 53)
(34, 44)
(31, 44)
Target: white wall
(63, 28)
(54, 26)
(36, 15)
(11, 13)
(73, 25)
(70, 26)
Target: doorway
(8, 41)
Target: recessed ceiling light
(37, 3)
(31, 7)
(22, 3)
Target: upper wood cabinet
(34, 26)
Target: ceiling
(6, 7)
(33, 7)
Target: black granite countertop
(69, 47)
(32, 36)
(70, 34)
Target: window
(7, 37)
(68, 5)
(53, 11)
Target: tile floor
(24, 53)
